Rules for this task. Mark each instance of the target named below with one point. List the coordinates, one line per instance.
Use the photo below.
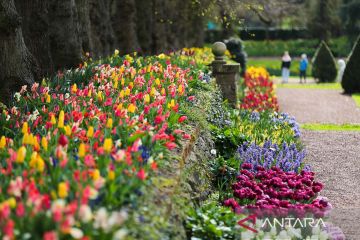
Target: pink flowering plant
(276, 191)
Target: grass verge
(356, 98)
(331, 127)
(325, 86)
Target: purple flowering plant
(286, 157)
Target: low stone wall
(184, 182)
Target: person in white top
(342, 66)
(285, 67)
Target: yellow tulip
(82, 150)
(111, 175)
(61, 119)
(180, 89)
(44, 143)
(53, 120)
(121, 94)
(96, 174)
(90, 132)
(74, 88)
(127, 92)
(2, 142)
(21, 154)
(25, 128)
(146, 98)
(62, 190)
(67, 129)
(131, 108)
(40, 164)
(153, 91)
(48, 98)
(108, 145)
(100, 96)
(109, 123)
(12, 202)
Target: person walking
(303, 66)
(285, 67)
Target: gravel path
(318, 106)
(333, 155)
(335, 158)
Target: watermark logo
(282, 222)
(251, 218)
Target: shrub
(351, 78)
(324, 66)
(340, 47)
(236, 48)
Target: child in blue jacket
(303, 66)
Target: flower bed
(261, 171)
(77, 149)
(259, 91)
(274, 192)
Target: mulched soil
(318, 106)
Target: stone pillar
(227, 75)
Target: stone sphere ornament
(219, 49)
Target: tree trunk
(123, 19)
(83, 8)
(15, 59)
(36, 32)
(160, 43)
(144, 25)
(102, 33)
(65, 38)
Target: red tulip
(63, 141)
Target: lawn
(273, 65)
(356, 98)
(331, 127)
(325, 86)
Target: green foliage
(340, 46)
(351, 78)
(356, 97)
(324, 20)
(350, 17)
(227, 139)
(212, 221)
(324, 66)
(224, 172)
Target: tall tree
(83, 9)
(324, 20)
(102, 32)
(65, 41)
(17, 64)
(350, 16)
(36, 32)
(123, 19)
